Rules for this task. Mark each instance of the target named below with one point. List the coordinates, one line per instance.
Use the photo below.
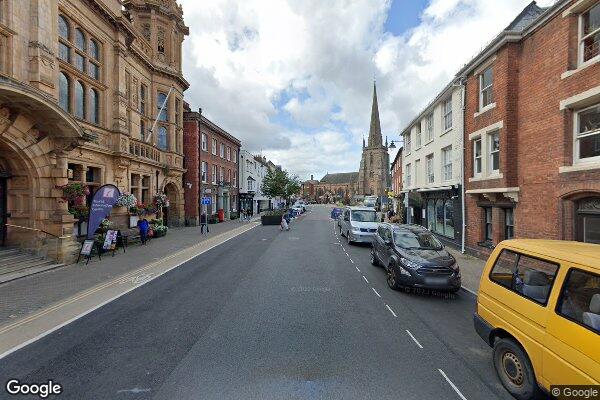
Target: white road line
(453, 385)
(351, 260)
(357, 269)
(378, 295)
(392, 311)
(413, 338)
(365, 279)
(474, 293)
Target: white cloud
(294, 78)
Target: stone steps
(15, 264)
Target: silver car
(358, 224)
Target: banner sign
(87, 247)
(110, 242)
(102, 203)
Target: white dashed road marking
(357, 269)
(453, 385)
(365, 279)
(413, 338)
(392, 311)
(378, 295)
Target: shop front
(441, 213)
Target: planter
(270, 219)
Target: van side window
(530, 277)
(580, 299)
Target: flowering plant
(105, 225)
(126, 200)
(160, 200)
(74, 191)
(80, 211)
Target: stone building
(213, 153)
(532, 129)
(81, 85)
(334, 187)
(374, 174)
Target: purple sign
(102, 203)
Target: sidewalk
(27, 295)
(471, 269)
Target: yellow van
(539, 309)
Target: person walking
(285, 226)
(203, 223)
(242, 214)
(143, 226)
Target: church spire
(375, 129)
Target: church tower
(374, 174)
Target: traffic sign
(206, 201)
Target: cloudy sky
(293, 78)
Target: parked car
(297, 210)
(335, 213)
(539, 309)
(413, 256)
(358, 224)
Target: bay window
(587, 134)
(589, 42)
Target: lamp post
(390, 147)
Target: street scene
(351, 199)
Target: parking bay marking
(414, 339)
(452, 384)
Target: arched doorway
(171, 214)
(587, 220)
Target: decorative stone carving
(124, 147)
(160, 45)
(513, 196)
(146, 31)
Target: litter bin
(221, 214)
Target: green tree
(292, 186)
(274, 183)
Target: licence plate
(436, 281)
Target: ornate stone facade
(82, 83)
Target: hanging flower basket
(74, 191)
(126, 200)
(160, 200)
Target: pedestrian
(285, 226)
(242, 215)
(249, 214)
(143, 226)
(203, 223)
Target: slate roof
(344, 177)
(528, 16)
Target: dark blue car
(336, 212)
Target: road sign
(206, 201)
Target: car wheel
(392, 278)
(348, 238)
(514, 370)
(341, 232)
(374, 260)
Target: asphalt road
(268, 315)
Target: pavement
(268, 315)
(22, 297)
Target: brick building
(81, 84)
(213, 152)
(532, 129)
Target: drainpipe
(462, 83)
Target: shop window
(589, 38)
(449, 219)
(440, 217)
(587, 135)
(431, 215)
(579, 301)
(509, 223)
(487, 214)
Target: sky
(293, 79)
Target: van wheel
(514, 370)
(392, 277)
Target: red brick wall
(537, 138)
(192, 164)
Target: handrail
(38, 230)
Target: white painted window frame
(483, 89)
(430, 168)
(204, 167)
(475, 158)
(577, 136)
(418, 136)
(204, 142)
(429, 125)
(491, 152)
(447, 114)
(582, 38)
(214, 174)
(408, 175)
(447, 163)
(214, 146)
